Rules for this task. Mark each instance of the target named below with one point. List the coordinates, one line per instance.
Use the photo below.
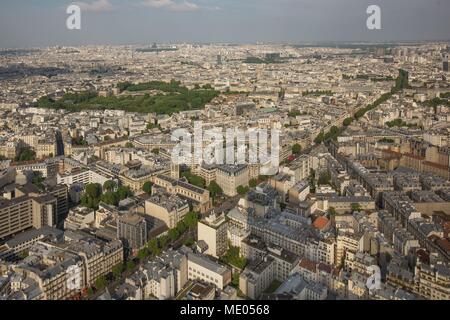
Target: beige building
(257, 277)
(213, 230)
(136, 179)
(204, 269)
(207, 172)
(26, 206)
(45, 149)
(167, 207)
(200, 197)
(434, 281)
(98, 257)
(79, 218)
(344, 243)
(229, 177)
(55, 272)
(9, 150)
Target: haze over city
(25, 23)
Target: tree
(191, 220)
(129, 145)
(124, 192)
(117, 270)
(142, 254)
(312, 180)
(176, 98)
(241, 190)
(38, 178)
(130, 265)
(193, 179)
(214, 189)
(109, 185)
(296, 149)
(155, 151)
(173, 234)
(356, 207)
(181, 226)
(23, 254)
(147, 187)
(319, 138)
(110, 198)
(26, 154)
(93, 190)
(163, 241)
(151, 126)
(332, 211)
(348, 121)
(92, 195)
(101, 282)
(154, 247)
(189, 242)
(89, 202)
(324, 178)
(253, 183)
(233, 257)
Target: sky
(40, 23)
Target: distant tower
(219, 60)
(175, 171)
(445, 63)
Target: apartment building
(434, 281)
(81, 177)
(207, 172)
(10, 149)
(167, 207)
(261, 199)
(47, 167)
(257, 277)
(229, 177)
(11, 249)
(79, 218)
(213, 231)
(45, 149)
(200, 197)
(98, 257)
(345, 242)
(132, 230)
(161, 278)
(135, 179)
(23, 207)
(202, 268)
(46, 272)
(61, 270)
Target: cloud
(96, 6)
(172, 5)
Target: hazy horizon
(42, 23)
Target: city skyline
(235, 152)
